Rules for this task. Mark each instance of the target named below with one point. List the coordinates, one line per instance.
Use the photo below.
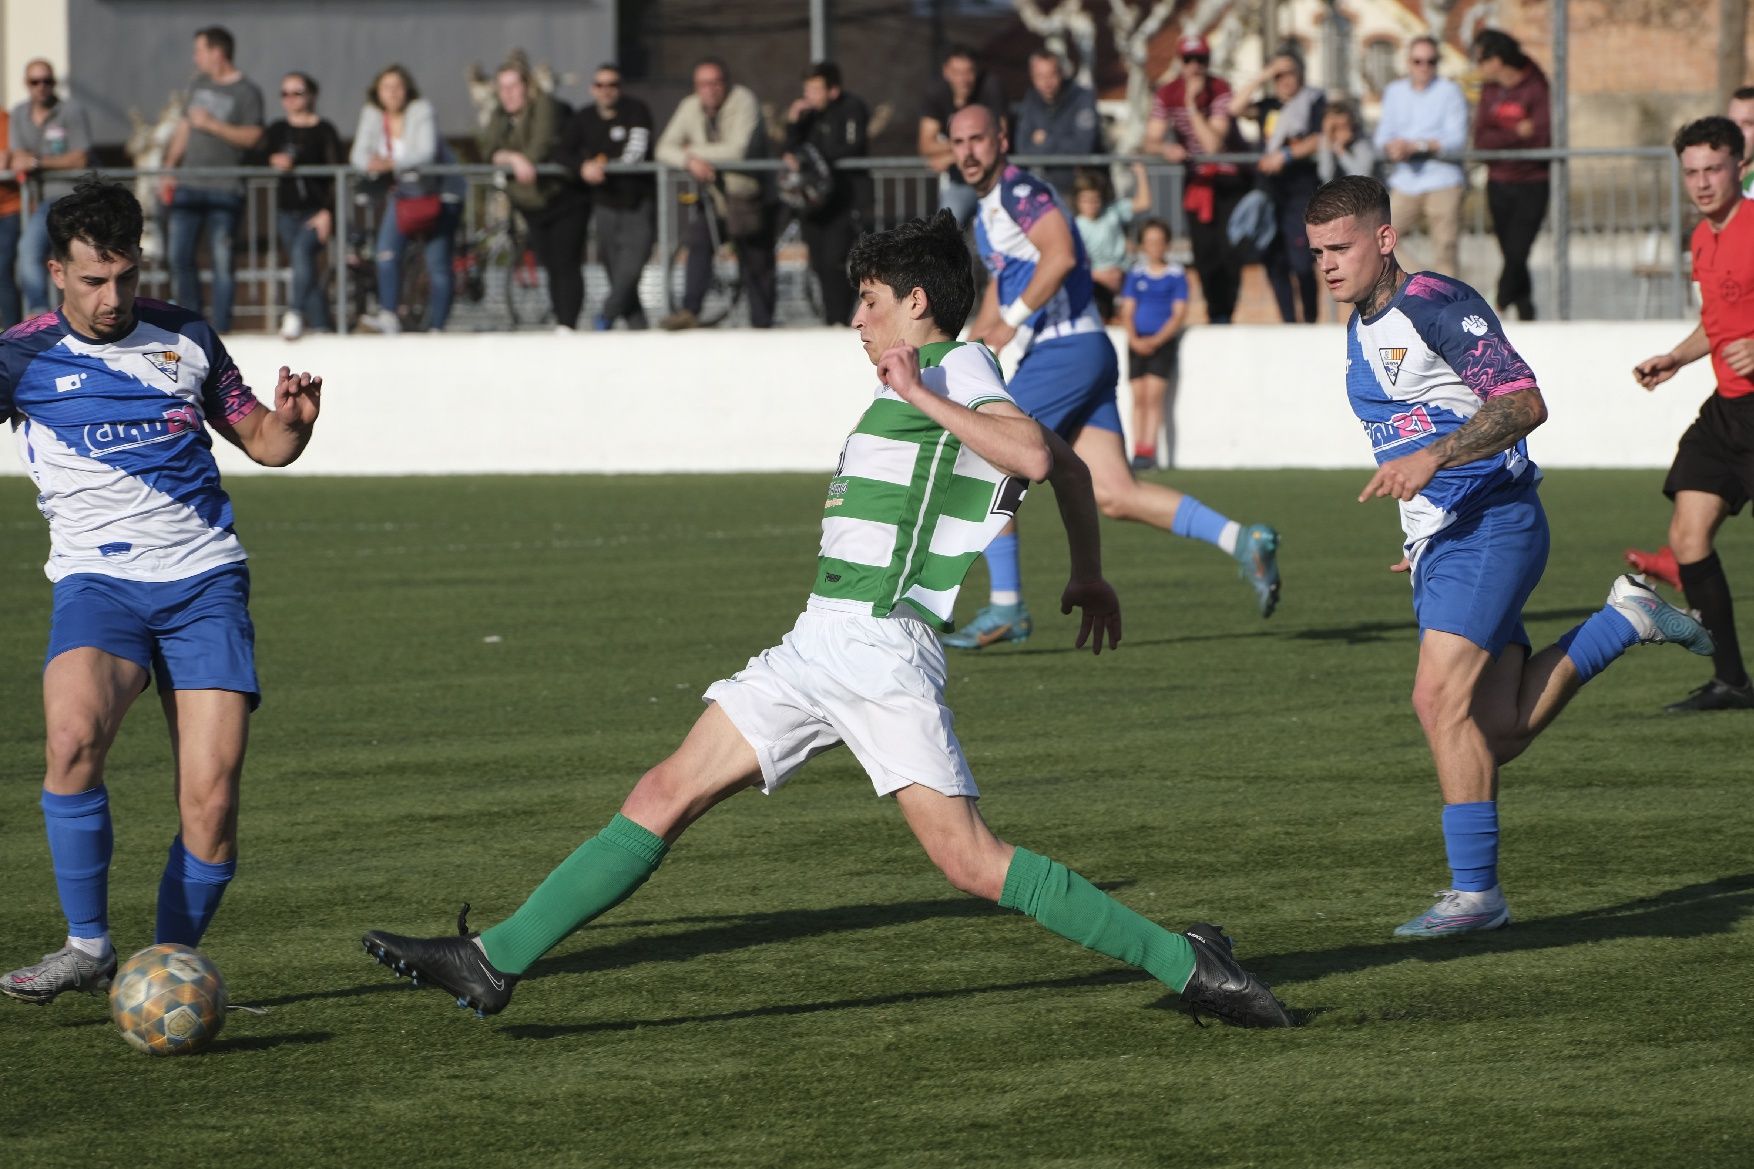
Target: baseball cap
(1194, 46)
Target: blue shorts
(1069, 383)
(1474, 577)
(194, 634)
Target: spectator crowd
(1251, 154)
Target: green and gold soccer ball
(168, 1000)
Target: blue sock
(1470, 837)
(81, 840)
(1196, 521)
(1601, 638)
(1004, 572)
(188, 894)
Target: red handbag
(417, 214)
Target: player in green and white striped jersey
(911, 505)
(936, 464)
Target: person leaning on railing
(720, 123)
(306, 211)
(50, 142)
(398, 133)
(522, 133)
(615, 128)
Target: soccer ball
(168, 1000)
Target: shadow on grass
(1369, 631)
(718, 935)
(869, 1002)
(1128, 642)
(244, 1043)
(1710, 907)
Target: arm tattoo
(1500, 424)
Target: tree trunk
(1732, 42)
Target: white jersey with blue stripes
(1017, 202)
(1421, 368)
(114, 435)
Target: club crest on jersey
(168, 362)
(1391, 361)
(1474, 323)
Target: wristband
(1016, 313)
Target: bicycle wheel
(526, 290)
(416, 290)
(724, 285)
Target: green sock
(1075, 909)
(599, 875)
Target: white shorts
(873, 683)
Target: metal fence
(1612, 247)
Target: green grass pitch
(465, 675)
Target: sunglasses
(39, 81)
(293, 92)
(1196, 59)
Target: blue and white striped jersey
(114, 434)
(1421, 368)
(1017, 202)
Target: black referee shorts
(1716, 455)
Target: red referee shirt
(1723, 264)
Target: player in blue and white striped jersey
(111, 398)
(1447, 404)
(1039, 316)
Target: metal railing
(1612, 246)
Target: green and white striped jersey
(910, 507)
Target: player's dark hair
(959, 50)
(927, 254)
(1717, 132)
(217, 36)
(371, 93)
(1356, 195)
(105, 215)
(1155, 224)
(1491, 44)
(825, 71)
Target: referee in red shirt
(1712, 476)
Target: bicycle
(724, 284)
(361, 258)
(496, 266)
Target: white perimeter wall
(1251, 396)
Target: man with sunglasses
(1192, 115)
(616, 127)
(50, 141)
(1425, 116)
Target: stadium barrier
(784, 400)
(1614, 246)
